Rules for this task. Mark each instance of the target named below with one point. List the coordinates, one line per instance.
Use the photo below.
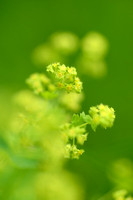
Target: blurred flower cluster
(88, 53)
(94, 48)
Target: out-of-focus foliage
(121, 174)
(122, 195)
(88, 52)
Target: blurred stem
(73, 141)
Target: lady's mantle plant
(65, 79)
(43, 132)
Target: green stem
(84, 124)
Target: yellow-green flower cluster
(102, 115)
(66, 77)
(41, 84)
(76, 132)
(122, 195)
(71, 151)
(73, 136)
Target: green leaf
(86, 118)
(79, 119)
(93, 126)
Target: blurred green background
(28, 23)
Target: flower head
(102, 115)
(66, 77)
